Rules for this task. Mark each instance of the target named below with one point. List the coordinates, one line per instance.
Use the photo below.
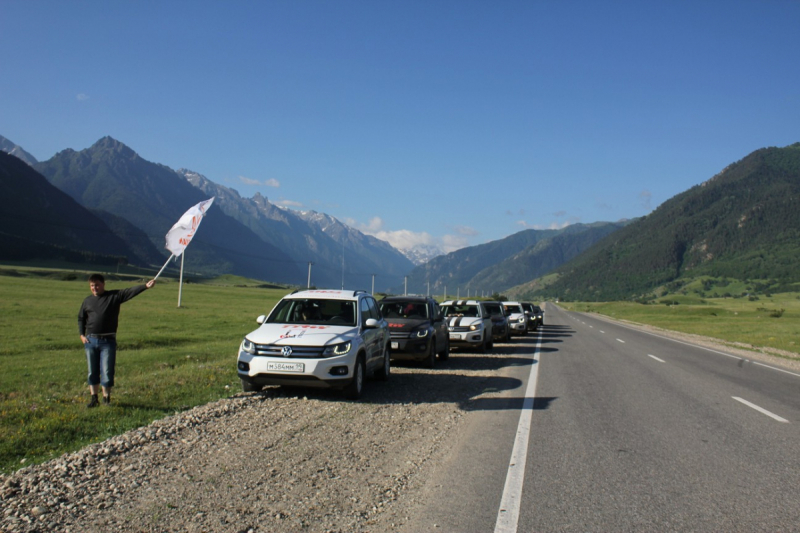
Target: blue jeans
(101, 355)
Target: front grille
(298, 352)
(459, 329)
(398, 335)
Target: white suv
(317, 338)
(517, 319)
(469, 324)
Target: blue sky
(450, 123)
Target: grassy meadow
(766, 322)
(169, 358)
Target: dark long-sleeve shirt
(99, 315)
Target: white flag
(179, 237)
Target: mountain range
(107, 205)
(138, 201)
(743, 223)
(498, 265)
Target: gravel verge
(279, 460)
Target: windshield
(514, 308)
(494, 309)
(314, 311)
(400, 309)
(460, 310)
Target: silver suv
(317, 338)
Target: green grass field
(169, 359)
(768, 321)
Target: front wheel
(383, 372)
(353, 390)
(250, 387)
(430, 359)
(444, 355)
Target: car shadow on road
(470, 380)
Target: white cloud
(272, 182)
(553, 225)
(466, 231)
(645, 198)
(406, 239)
(81, 97)
(289, 203)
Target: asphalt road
(625, 431)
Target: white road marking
(761, 410)
(701, 347)
(601, 331)
(620, 340)
(508, 514)
(656, 358)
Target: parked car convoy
(417, 328)
(500, 330)
(535, 315)
(317, 338)
(517, 319)
(469, 324)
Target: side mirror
(371, 323)
(261, 319)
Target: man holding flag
(98, 319)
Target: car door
(487, 321)
(373, 337)
(439, 325)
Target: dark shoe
(107, 399)
(93, 402)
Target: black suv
(500, 329)
(535, 315)
(417, 328)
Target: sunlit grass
(169, 359)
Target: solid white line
(761, 410)
(656, 358)
(508, 514)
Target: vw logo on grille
(287, 351)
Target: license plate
(395, 345)
(455, 337)
(286, 367)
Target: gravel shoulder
(279, 460)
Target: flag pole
(165, 266)
(180, 284)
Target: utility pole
(309, 274)
(373, 284)
(405, 285)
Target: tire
(250, 387)
(430, 359)
(382, 374)
(444, 355)
(353, 389)
(485, 346)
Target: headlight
(337, 349)
(522, 319)
(476, 327)
(248, 347)
(420, 333)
